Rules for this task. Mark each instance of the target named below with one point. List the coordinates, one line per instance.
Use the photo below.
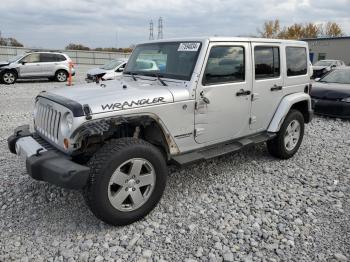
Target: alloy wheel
(131, 185)
(292, 135)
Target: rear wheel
(127, 180)
(61, 76)
(290, 136)
(8, 77)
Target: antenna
(160, 28)
(151, 37)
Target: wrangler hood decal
(116, 95)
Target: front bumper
(331, 108)
(46, 164)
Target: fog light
(66, 143)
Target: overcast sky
(105, 23)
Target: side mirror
(120, 69)
(332, 66)
(317, 79)
(23, 62)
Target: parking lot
(245, 206)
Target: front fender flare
(283, 108)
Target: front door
(30, 65)
(223, 94)
(267, 84)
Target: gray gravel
(245, 206)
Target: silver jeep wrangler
(179, 101)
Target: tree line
(10, 41)
(73, 46)
(273, 29)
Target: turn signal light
(65, 143)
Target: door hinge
(196, 105)
(252, 120)
(195, 131)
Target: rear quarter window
(296, 61)
(60, 58)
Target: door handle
(276, 88)
(243, 92)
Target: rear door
(267, 84)
(47, 64)
(223, 93)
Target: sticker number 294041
(192, 47)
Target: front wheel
(289, 137)
(8, 77)
(127, 180)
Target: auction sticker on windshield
(192, 47)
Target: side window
(296, 61)
(59, 58)
(32, 58)
(225, 64)
(267, 62)
(45, 57)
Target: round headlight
(69, 121)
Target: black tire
(8, 77)
(61, 76)
(105, 162)
(277, 146)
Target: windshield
(13, 59)
(111, 65)
(323, 63)
(174, 60)
(337, 76)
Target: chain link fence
(78, 56)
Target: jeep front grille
(47, 121)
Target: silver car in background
(51, 65)
(322, 67)
(112, 70)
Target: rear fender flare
(283, 108)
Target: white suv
(52, 65)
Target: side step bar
(221, 149)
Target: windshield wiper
(132, 75)
(159, 78)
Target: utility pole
(160, 28)
(151, 37)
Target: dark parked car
(331, 94)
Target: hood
(318, 67)
(113, 96)
(4, 63)
(97, 71)
(331, 91)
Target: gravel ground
(245, 206)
